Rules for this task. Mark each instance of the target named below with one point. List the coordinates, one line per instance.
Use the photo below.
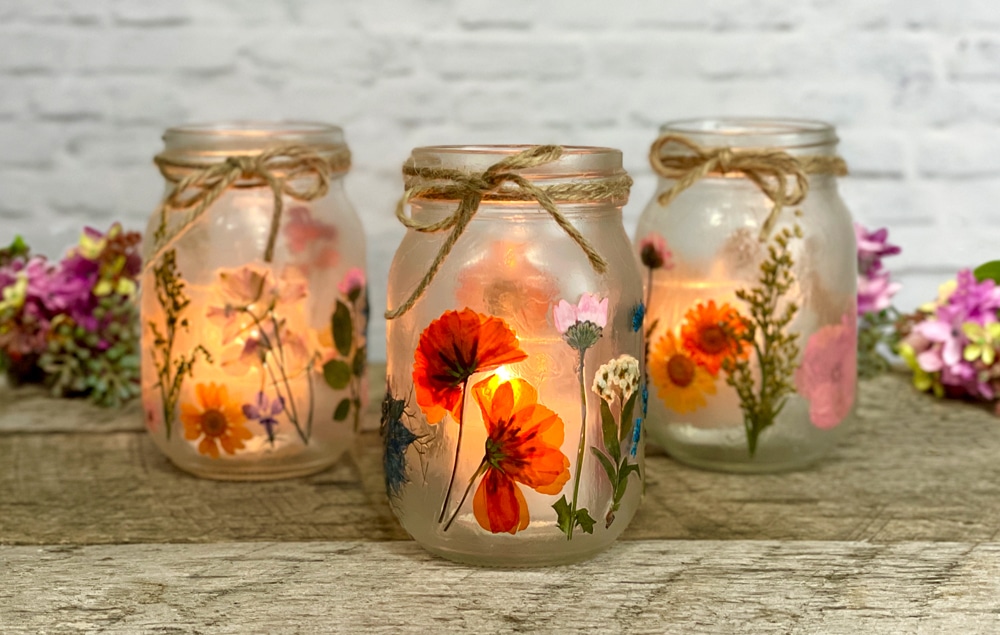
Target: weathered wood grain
(637, 587)
(912, 469)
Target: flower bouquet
(951, 344)
(73, 325)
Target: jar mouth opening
(248, 137)
(578, 162)
(754, 132)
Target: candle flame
(504, 373)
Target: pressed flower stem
(581, 449)
(468, 488)
(293, 415)
(458, 450)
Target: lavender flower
(264, 412)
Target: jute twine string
(494, 184)
(203, 182)
(768, 169)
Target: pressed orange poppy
(216, 420)
(522, 447)
(710, 335)
(680, 383)
(453, 348)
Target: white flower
(620, 377)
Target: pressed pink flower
(588, 309)
(353, 282)
(654, 254)
(302, 230)
(826, 376)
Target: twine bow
(493, 184)
(204, 182)
(768, 169)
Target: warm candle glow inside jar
(513, 417)
(750, 280)
(254, 315)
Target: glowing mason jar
(513, 416)
(749, 256)
(254, 304)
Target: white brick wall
(86, 88)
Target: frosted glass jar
(254, 323)
(708, 259)
(501, 449)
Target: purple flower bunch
(73, 324)
(952, 344)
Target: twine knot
(499, 182)
(299, 172)
(781, 177)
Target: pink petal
(593, 310)
(564, 315)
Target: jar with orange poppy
(254, 304)
(749, 260)
(513, 416)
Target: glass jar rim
(753, 132)
(248, 137)
(576, 162)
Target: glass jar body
(255, 369)
(776, 397)
(452, 485)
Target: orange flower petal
(207, 446)
(453, 348)
(707, 335)
(499, 505)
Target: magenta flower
(353, 283)
(971, 301)
(875, 292)
(302, 230)
(654, 254)
(872, 247)
(826, 376)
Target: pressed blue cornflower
(396, 440)
(638, 316)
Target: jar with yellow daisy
(512, 422)
(254, 307)
(749, 260)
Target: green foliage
(775, 349)
(567, 519)
(76, 362)
(170, 372)
(875, 331)
(988, 271)
(346, 373)
(613, 460)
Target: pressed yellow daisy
(680, 383)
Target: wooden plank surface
(913, 468)
(637, 587)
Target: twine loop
(299, 172)
(499, 182)
(781, 177)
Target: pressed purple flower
(264, 412)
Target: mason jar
(750, 277)
(254, 304)
(513, 416)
